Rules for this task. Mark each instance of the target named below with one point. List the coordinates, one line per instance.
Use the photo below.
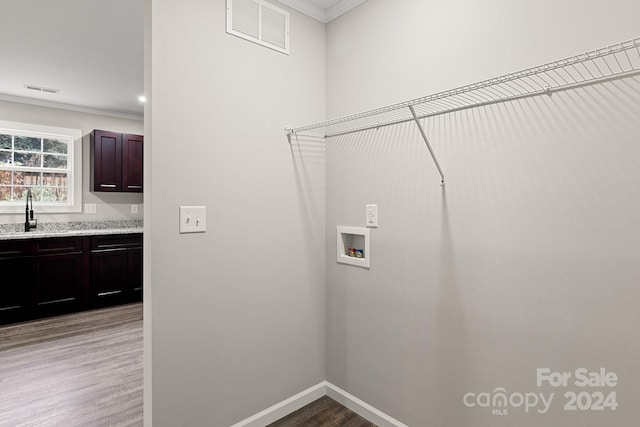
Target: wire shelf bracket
(426, 141)
(609, 63)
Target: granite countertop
(60, 229)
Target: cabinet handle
(134, 186)
(108, 185)
(104, 294)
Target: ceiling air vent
(259, 22)
(42, 89)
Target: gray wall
(108, 206)
(528, 258)
(238, 313)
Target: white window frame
(74, 156)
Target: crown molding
(340, 8)
(320, 14)
(71, 107)
(307, 8)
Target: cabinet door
(109, 277)
(132, 158)
(106, 156)
(14, 289)
(57, 284)
(135, 274)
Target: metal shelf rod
(480, 104)
(540, 79)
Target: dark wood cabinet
(58, 267)
(116, 162)
(116, 269)
(57, 284)
(132, 159)
(108, 276)
(106, 161)
(14, 293)
(49, 276)
(135, 273)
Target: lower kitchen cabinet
(135, 272)
(48, 276)
(108, 277)
(14, 294)
(57, 284)
(58, 267)
(116, 269)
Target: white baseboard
(361, 408)
(307, 396)
(284, 408)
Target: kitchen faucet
(29, 221)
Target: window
(44, 160)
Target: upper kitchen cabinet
(116, 161)
(132, 158)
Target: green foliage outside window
(38, 164)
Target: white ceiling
(92, 51)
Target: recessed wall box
(353, 246)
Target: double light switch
(193, 219)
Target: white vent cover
(259, 22)
(41, 89)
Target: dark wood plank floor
(83, 369)
(324, 412)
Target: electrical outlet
(90, 208)
(134, 209)
(371, 215)
(193, 219)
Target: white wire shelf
(599, 65)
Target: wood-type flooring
(83, 370)
(324, 412)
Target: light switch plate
(193, 219)
(371, 215)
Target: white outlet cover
(371, 215)
(193, 219)
(90, 208)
